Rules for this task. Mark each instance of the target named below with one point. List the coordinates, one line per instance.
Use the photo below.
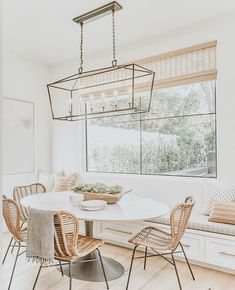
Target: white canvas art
(18, 137)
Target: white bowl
(76, 198)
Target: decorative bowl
(100, 191)
(109, 198)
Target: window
(178, 135)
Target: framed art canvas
(18, 136)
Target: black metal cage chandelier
(110, 91)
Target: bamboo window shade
(188, 65)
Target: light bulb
(91, 102)
(115, 97)
(130, 95)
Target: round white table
(130, 207)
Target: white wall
(24, 79)
(69, 146)
(1, 71)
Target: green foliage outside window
(177, 137)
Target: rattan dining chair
(18, 193)
(70, 245)
(11, 214)
(165, 243)
(22, 191)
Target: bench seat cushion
(200, 222)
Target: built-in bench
(207, 243)
(200, 222)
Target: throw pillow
(213, 192)
(63, 183)
(222, 212)
(78, 180)
(48, 180)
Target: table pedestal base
(90, 270)
(89, 267)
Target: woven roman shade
(188, 65)
(185, 66)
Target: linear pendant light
(102, 92)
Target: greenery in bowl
(98, 188)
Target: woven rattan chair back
(68, 244)
(21, 191)
(179, 219)
(66, 235)
(11, 214)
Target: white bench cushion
(200, 222)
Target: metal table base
(89, 268)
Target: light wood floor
(159, 275)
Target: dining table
(131, 207)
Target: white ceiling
(43, 29)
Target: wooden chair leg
(13, 270)
(132, 259)
(145, 257)
(102, 265)
(7, 251)
(36, 280)
(70, 276)
(176, 271)
(190, 269)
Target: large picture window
(177, 137)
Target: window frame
(141, 148)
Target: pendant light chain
(114, 62)
(81, 50)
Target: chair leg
(7, 251)
(102, 265)
(70, 276)
(61, 269)
(13, 248)
(176, 271)
(129, 275)
(36, 280)
(13, 270)
(145, 257)
(190, 269)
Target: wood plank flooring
(159, 275)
